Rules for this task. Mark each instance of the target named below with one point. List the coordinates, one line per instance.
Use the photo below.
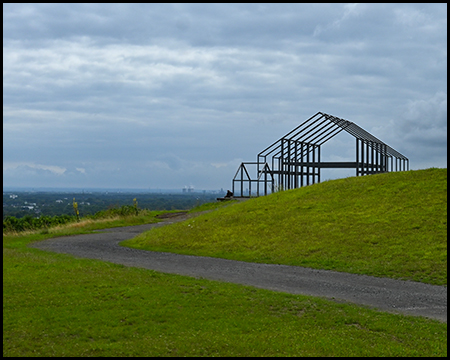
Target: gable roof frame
(300, 148)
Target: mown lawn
(56, 305)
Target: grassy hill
(389, 225)
(60, 305)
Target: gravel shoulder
(406, 297)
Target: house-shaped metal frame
(294, 161)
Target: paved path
(405, 297)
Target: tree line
(56, 204)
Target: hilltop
(388, 225)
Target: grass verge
(86, 225)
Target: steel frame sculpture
(294, 160)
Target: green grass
(211, 206)
(58, 305)
(388, 225)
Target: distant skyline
(163, 96)
(9, 189)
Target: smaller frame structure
(294, 160)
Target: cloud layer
(160, 95)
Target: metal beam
(328, 164)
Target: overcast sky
(173, 95)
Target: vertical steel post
(319, 167)
(313, 164)
(265, 181)
(367, 158)
(242, 180)
(363, 144)
(258, 174)
(362, 158)
(289, 165)
(296, 165)
(282, 162)
(357, 157)
(371, 158)
(307, 163)
(301, 161)
(376, 158)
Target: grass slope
(388, 225)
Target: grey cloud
(187, 85)
(425, 121)
(420, 129)
(258, 25)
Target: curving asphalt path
(406, 297)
